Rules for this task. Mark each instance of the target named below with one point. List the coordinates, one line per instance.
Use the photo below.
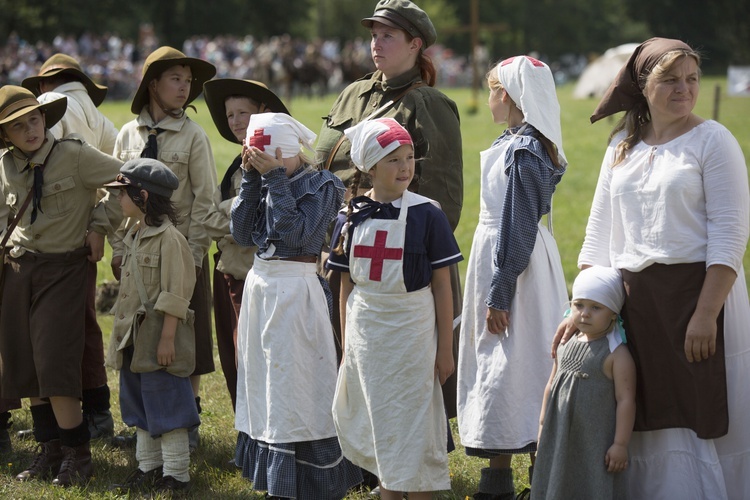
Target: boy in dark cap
(159, 269)
(61, 75)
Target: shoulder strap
(137, 273)
(14, 222)
(374, 114)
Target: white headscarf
(600, 284)
(530, 84)
(373, 140)
(268, 131)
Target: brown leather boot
(46, 463)
(76, 467)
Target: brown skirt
(670, 391)
(200, 302)
(42, 325)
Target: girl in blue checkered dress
(515, 291)
(286, 359)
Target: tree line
(720, 28)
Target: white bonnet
(600, 284)
(530, 84)
(268, 131)
(373, 140)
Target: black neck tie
(150, 150)
(36, 203)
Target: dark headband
(625, 92)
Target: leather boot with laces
(170, 487)
(76, 467)
(46, 463)
(138, 480)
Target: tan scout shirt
(184, 148)
(69, 210)
(431, 119)
(235, 259)
(168, 273)
(82, 117)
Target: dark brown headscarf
(625, 92)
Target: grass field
(212, 476)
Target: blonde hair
(494, 83)
(638, 116)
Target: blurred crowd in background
(290, 66)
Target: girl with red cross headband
(393, 251)
(286, 358)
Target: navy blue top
(532, 178)
(429, 242)
(292, 213)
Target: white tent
(600, 72)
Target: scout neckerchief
(36, 192)
(150, 150)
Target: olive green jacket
(430, 117)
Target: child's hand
(165, 351)
(497, 320)
(616, 458)
(95, 243)
(444, 364)
(264, 162)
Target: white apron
(286, 360)
(388, 407)
(501, 378)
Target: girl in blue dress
(286, 359)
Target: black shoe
(138, 480)
(485, 496)
(169, 486)
(124, 441)
(5, 445)
(46, 463)
(77, 468)
(524, 495)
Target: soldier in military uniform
(402, 87)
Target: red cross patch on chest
(378, 253)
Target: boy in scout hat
(162, 130)
(62, 76)
(59, 232)
(163, 413)
(232, 103)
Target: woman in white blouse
(671, 211)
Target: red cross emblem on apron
(378, 253)
(377, 258)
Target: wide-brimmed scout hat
(216, 92)
(64, 64)
(164, 58)
(16, 101)
(403, 15)
(147, 173)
